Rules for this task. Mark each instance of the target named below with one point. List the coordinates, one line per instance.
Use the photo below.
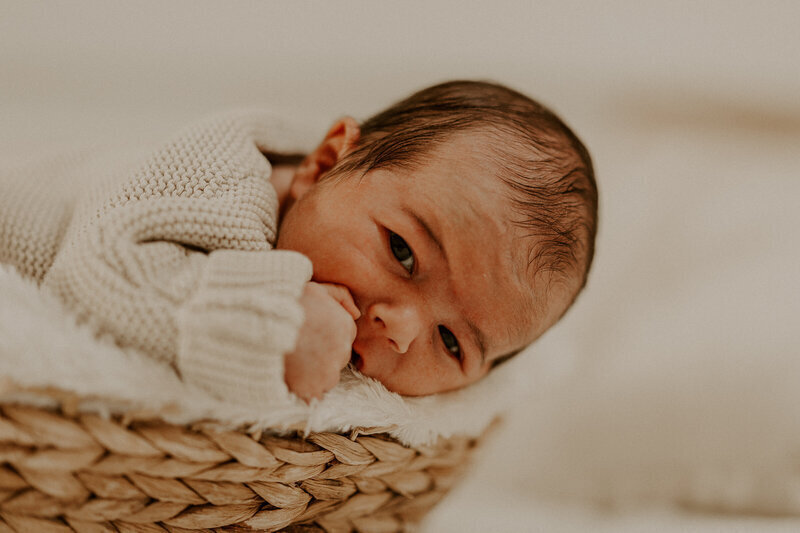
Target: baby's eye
(401, 251)
(450, 342)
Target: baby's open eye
(401, 251)
(450, 342)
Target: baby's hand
(325, 340)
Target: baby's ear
(339, 141)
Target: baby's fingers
(343, 296)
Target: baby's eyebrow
(425, 226)
(480, 339)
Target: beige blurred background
(668, 399)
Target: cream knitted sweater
(173, 256)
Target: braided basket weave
(64, 471)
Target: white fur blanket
(41, 346)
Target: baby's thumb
(345, 299)
(350, 306)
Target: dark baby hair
(546, 167)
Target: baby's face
(439, 278)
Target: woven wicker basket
(64, 471)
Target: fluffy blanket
(42, 347)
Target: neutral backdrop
(666, 400)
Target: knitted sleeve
(174, 259)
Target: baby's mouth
(356, 360)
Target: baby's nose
(400, 324)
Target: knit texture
(35, 211)
(172, 257)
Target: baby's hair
(547, 169)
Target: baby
(444, 235)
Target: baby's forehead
(498, 257)
(471, 147)
(460, 164)
(459, 188)
(533, 296)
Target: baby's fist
(324, 342)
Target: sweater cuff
(241, 320)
